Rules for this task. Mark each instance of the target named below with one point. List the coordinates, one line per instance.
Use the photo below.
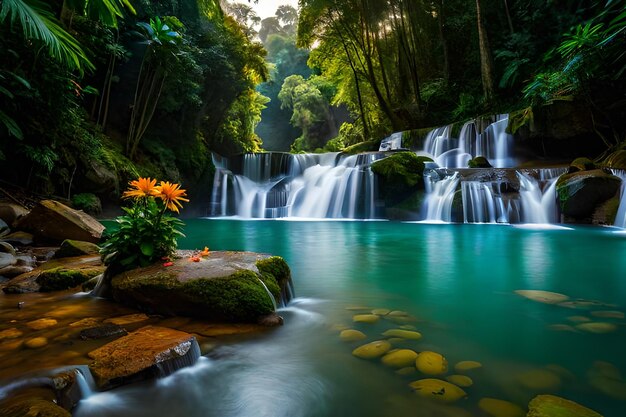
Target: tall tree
(486, 60)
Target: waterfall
(276, 185)
(620, 217)
(537, 206)
(439, 196)
(391, 143)
(482, 203)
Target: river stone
(381, 311)
(40, 324)
(438, 389)
(351, 335)
(224, 286)
(71, 248)
(539, 380)
(399, 358)
(11, 333)
(500, 408)
(19, 238)
(578, 319)
(553, 406)
(36, 342)
(127, 319)
(52, 221)
(546, 297)
(7, 259)
(608, 314)
(581, 192)
(607, 379)
(365, 318)
(372, 350)
(102, 332)
(463, 381)
(431, 363)
(10, 212)
(56, 274)
(405, 334)
(142, 354)
(597, 327)
(465, 366)
(35, 407)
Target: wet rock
(102, 332)
(71, 248)
(10, 212)
(4, 228)
(127, 319)
(351, 335)
(431, 363)
(67, 389)
(271, 320)
(404, 334)
(553, 406)
(53, 221)
(58, 274)
(19, 238)
(365, 318)
(597, 327)
(6, 247)
(142, 354)
(86, 322)
(7, 259)
(381, 311)
(581, 164)
(372, 350)
(11, 333)
(438, 390)
(460, 380)
(400, 358)
(539, 380)
(581, 192)
(616, 160)
(500, 408)
(479, 162)
(224, 286)
(40, 324)
(464, 366)
(36, 407)
(36, 342)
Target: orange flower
(171, 194)
(205, 252)
(142, 187)
(194, 258)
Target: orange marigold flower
(171, 194)
(142, 187)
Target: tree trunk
(444, 41)
(486, 62)
(508, 16)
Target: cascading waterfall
(538, 206)
(302, 186)
(439, 196)
(620, 217)
(482, 203)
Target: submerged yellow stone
(431, 363)
(381, 311)
(547, 297)
(608, 314)
(372, 350)
(500, 408)
(405, 334)
(365, 318)
(465, 366)
(351, 335)
(597, 327)
(460, 380)
(40, 324)
(438, 390)
(399, 358)
(36, 342)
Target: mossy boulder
(553, 406)
(479, 162)
(224, 286)
(581, 164)
(87, 202)
(581, 192)
(367, 146)
(400, 175)
(616, 160)
(56, 274)
(71, 248)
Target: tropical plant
(146, 232)
(106, 12)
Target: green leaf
(147, 248)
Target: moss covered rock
(581, 192)
(71, 248)
(224, 286)
(581, 164)
(400, 175)
(553, 406)
(367, 146)
(616, 160)
(479, 162)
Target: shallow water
(457, 281)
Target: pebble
(465, 366)
(351, 335)
(399, 358)
(438, 389)
(372, 350)
(431, 363)
(365, 318)
(41, 324)
(36, 342)
(460, 380)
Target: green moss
(87, 202)
(71, 248)
(518, 119)
(56, 279)
(581, 164)
(414, 138)
(402, 167)
(367, 146)
(275, 273)
(479, 162)
(238, 297)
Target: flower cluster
(145, 233)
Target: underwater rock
(405, 334)
(365, 318)
(582, 304)
(372, 350)
(86, 322)
(463, 381)
(553, 406)
(127, 319)
(597, 327)
(409, 370)
(224, 286)
(399, 358)
(438, 390)
(11, 333)
(500, 408)
(607, 379)
(102, 332)
(52, 221)
(608, 314)
(7, 259)
(539, 380)
(40, 324)
(381, 311)
(464, 366)
(562, 328)
(581, 192)
(71, 248)
(351, 335)
(36, 342)
(431, 363)
(546, 297)
(578, 319)
(144, 353)
(27, 406)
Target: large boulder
(10, 212)
(146, 353)
(71, 248)
(224, 286)
(553, 406)
(56, 274)
(53, 221)
(581, 192)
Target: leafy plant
(146, 233)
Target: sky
(267, 8)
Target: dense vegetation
(94, 93)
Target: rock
(608, 314)
(365, 318)
(607, 379)
(400, 175)
(409, 370)
(142, 354)
(40, 324)
(581, 192)
(438, 390)
(500, 408)
(57, 274)
(53, 221)
(479, 162)
(578, 319)
(7, 259)
(127, 319)
(86, 322)
(465, 366)
(597, 327)
(19, 238)
(381, 311)
(553, 406)
(11, 333)
(102, 332)
(372, 350)
(351, 335)
(460, 380)
(539, 380)
(10, 212)
(87, 202)
(6, 247)
(405, 334)
(581, 164)
(27, 406)
(71, 248)
(271, 320)
(546, 297)
(399, 358)
(4, 228)
(224, 286)
(616, 160)
(67, 388)
(36, 342)
(431, 363)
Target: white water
(301, 186)
(391, 143)
(481, 204)
(620, 217)
(538, 206)
(439, 197)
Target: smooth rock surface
(553, 406)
